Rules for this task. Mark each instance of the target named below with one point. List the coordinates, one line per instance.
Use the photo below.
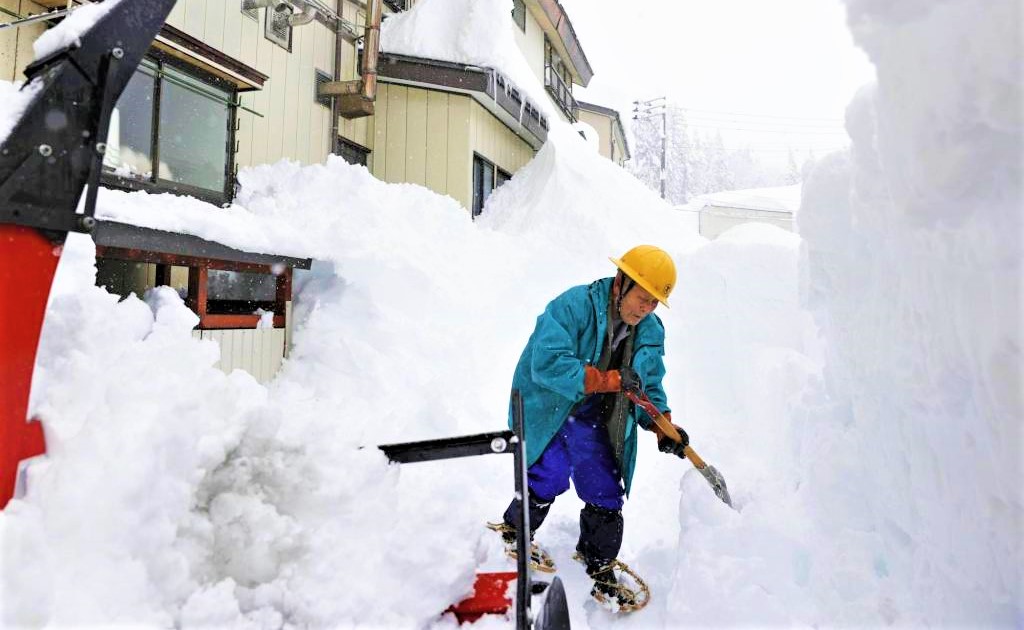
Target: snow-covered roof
(777, 199)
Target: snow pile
(586, 202)
(233, 226)
(913, 264)
(879, 490)
(449, 30)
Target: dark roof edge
(487, 86)
(127, 236)
(600, 109)
(608, 111)
(556, 13)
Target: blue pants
(580, 451)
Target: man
(591, 345)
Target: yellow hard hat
(651, 268)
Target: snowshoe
(622, 593)
(540, 560)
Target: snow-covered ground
(858, 385)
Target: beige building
(717, 212)
(611, 136)
(463, 131)
(236, 83)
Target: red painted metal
(490, 597)
(28, 262)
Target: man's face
(637, 305)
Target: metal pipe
(305, 16)
(42, 17)
(332, 142)
(371, 48)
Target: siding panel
(396, 122)
(416, 138)
(380, 132)
(214, 29)
(437, 142)
(459, 174)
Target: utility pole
(648, 109)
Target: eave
(554, 21)
(488, 87)
(160, 246)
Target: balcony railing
(561, 92)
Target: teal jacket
(549, 375)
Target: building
(717, 212)
(611, 135)
(461, 130)
(237, 83)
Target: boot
(608, 589)
(540, 559)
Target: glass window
(486, 177)
(194, 118)
(130, 139)
(519, 14)
(240, 292)
(183, 137)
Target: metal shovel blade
(717, 483)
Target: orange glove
(597, 382)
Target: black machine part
(57, 145)
(554, 614)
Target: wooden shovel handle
(665, 425)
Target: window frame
(498, 177)
(519, 14)
(154, 183)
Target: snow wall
(912, 270)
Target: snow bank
(913, 273)
(570, 194)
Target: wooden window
(277, 28)
(223, 293)
(172, 130)
(486, 178)
(352, 152)
(519, 14)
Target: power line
(721, 113)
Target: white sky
(780, 65)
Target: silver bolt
(498, 445)
(117, 52)
(45, 150)
(87, 223)
(101, 147)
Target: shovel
(710, 472)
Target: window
(558, 81)
(171, 130)
(486, 178)
(239, 292)
(397, 5)
(277, 27)
(321, 78)
(352, 152)
(519, 14)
